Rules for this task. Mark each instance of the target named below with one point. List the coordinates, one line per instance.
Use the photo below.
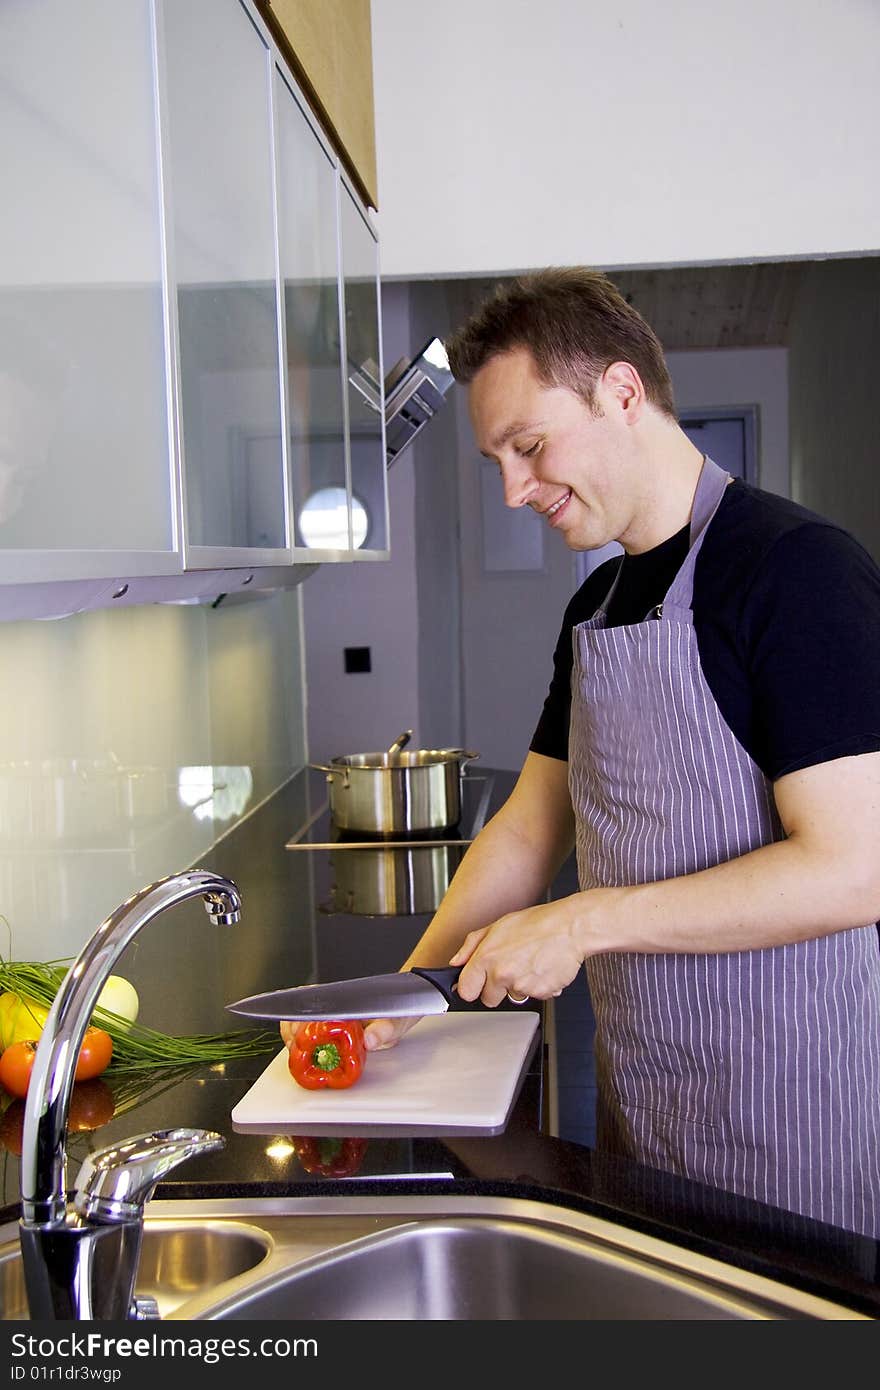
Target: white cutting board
(453, 1073)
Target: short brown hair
(574, 322)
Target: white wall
(513, 134)
(742, 376)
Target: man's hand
(386, 1032)
(532, 952)
(379, 1033)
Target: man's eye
(535, 449)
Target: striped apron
(757, 1072)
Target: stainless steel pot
(391, 882)
(401, 793)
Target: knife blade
(404, 994)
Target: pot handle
(464, 757)
(332, 772)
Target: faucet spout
(43, 1196)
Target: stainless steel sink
(387, 1258)
(472, 1268)
(178, 1260)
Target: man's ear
(624, 390)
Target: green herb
(136, 1047)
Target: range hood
(415, 389)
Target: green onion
(136, 1047)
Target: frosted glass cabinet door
(218, 128)
(309, 256)
(85, 471)
(366, 429)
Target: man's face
(571, 466)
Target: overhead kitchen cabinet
(254, 253)
(173, 383)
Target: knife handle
(445, 978)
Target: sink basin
(426, 1258)
(471, 1268)
(177, 1260)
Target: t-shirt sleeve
(810, 634)
(551, 735)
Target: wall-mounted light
(414, 392)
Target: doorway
(727, 435)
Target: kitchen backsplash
(131, 741)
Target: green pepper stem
(326, 1057)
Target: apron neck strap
(601, 612)
(711, 487)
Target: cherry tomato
(92, 1104)
(16, 1065)
(94, 1055)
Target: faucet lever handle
(114, 1183)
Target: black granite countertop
(185, 971)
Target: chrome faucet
(80, 1261)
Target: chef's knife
(405, 994)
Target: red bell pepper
(331, 1158)
(328, 1054)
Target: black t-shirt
(787, 618)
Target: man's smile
(553, 512)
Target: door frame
(750, 416)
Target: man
(711, 746)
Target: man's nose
(519, 483)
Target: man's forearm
(498, 874)
(510, 864)
(781, 893)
